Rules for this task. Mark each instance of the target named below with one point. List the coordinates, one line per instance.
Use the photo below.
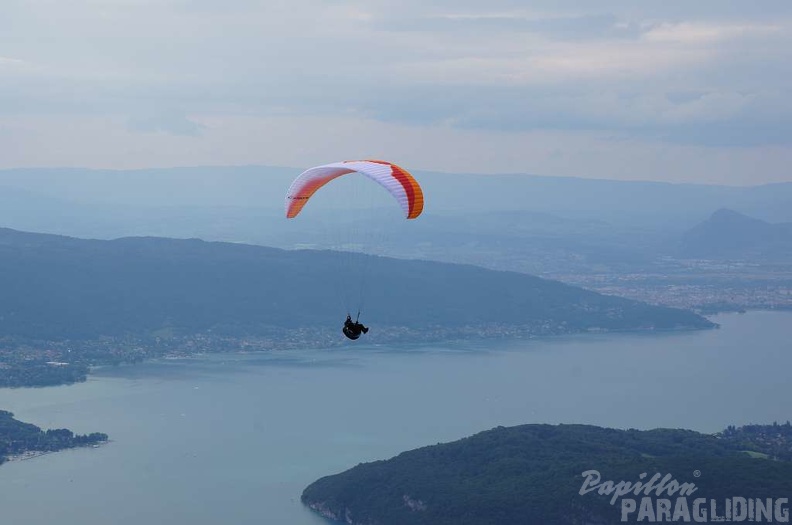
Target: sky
(667, 90)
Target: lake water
(235, 439)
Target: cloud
(691, 33)
(560, 27)
(7, 61)
(705, 73)
(729, 119)
(172, 122)
(309, 140)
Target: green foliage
(532, 474)
(773, 441)
(17, 437)
(56, 288)
(41, 374)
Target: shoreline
(33, 454)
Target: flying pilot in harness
(353, 329)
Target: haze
(667, 91)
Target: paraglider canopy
(396, 180)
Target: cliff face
(326, 512)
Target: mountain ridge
(265, 186)
(730, 234)
(64, 287)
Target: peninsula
(568, 474)
(20, 440)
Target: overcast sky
(697, 91)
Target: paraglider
(353, 329)
(397, 181)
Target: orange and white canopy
(397, 181)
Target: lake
(235, 439)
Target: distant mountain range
(54, 287)
(132, 202)
(729, 234)
(264, 187)
(538, 225)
